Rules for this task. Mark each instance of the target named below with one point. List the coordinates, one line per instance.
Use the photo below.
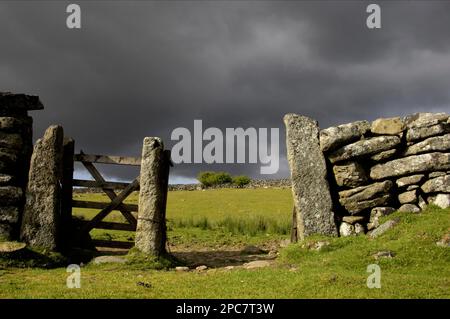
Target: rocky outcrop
(310, 188)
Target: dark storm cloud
(140, 68)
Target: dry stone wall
(15, 152)
(387, 165)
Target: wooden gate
(117, 193)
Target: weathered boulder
(375, 215)
(377, 232)
(363, 197)
(10, 195)
(439, 184)
(9, 214)
(432, 144)
(364, 147)
(441, 200)
(312, 199)
(408, 197)
(409, 180)
(388, 126)
(411, 165)
(151, 225)
(334, 137)
(382, 156)
(359, 229)
(42, 208)
(350, 174)
(346, 229)
(409, 208)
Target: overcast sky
(141, 68)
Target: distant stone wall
(387, 165)
(15, 152)
(254, 183)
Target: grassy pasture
(419, 269)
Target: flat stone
(408, 197)
(445, 241)
(14, 124)
(350, 174)
(364, 147)
(257, 264)
(436, 174)
(409, 180)
(383, 228)
(382, 156)
(411, 165)
(334, 137)
(425, 119)
(346, 229)
(409, 208)
(10, 195)
(201, 268)
(182, 269)
(312, 199)
(6, 179)
(412, 187)
(11, 101)
(388, 126)
(363, 197)
(109, 260)
(11, 140)
(8, 161)
(441, 200)
(432, 144)
(41, 217)
(353, 219)
(420, 133)
(439, 184)
(11, 246)
(9, 214)
(375, 215)
(383, 254)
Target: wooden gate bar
(95, 184)
(103, 159)
(114, 203)
(111, 194)
(100, 205)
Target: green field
(213, 218)
(419, 269)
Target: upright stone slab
(310, 187)
(41, 215)
(151, 224)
